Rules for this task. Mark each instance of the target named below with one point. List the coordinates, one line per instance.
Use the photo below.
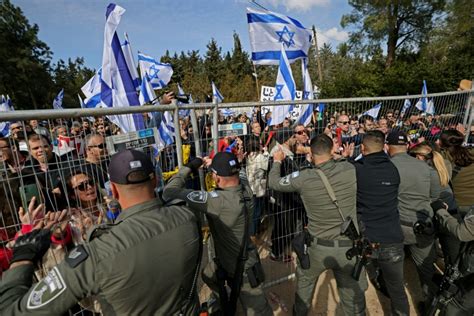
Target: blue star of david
(282, 33)
(279, 89)
(153, 72)
(305, 94)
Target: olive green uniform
(419, 185)
(328, 250)
(224, 210)
(142, 265)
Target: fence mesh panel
(64, 163)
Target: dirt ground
(326, 298)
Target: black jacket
(377, 198)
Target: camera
(424, 227)
(183, 98)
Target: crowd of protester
(59, 168)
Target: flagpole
(256, 81)
(316, 54)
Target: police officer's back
(143, 264)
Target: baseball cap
(130, 167)
(396, 137)
(225, 164)
(283, 134)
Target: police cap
(225, 164)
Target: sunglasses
(301, 132)
(100, 146)
(344, 123)
(84, 185)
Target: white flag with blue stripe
(373, 112)
(127, 52)
(117, 89)
(4, 107)
(306, 111)
(216, 94)
(183, 113)
(424, 104)
(268, 30)
(83, 106)
(92, 90)
(58, 100)
(406, 106)
(159, 73)
(10, 104)
(285, 89)
(147, 94)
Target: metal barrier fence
(67, 168)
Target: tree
(24, 59)
(213, 60)
(397, 23)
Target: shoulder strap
(330, 191)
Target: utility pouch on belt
(255, 274)
(300, 245)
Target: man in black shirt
(377, 209)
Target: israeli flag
(181, 92)
(285, 89)
(320, 110)
(216, 94)
(117, 89)
(166, 132)
(4, 126)
(268, 30)
(9, 103)
(147, 94)
(306, 111)
(58, 100)
(83, 106)
(159, 73)
(127, 52)
(424, 104)
(406, 106)
(374, 112)
(92, 90)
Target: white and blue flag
(92, 90)
(117, 89)
(406, 106)
(159, 73)
(306, 111)
(183, 113)
(285, 89)
(58, 100)
(216, 94)
(127, 52)
(83, 106)
(10, 104)
(4, 107)
(373, 112)
(268, 30)
(424, 104)
(147, 94)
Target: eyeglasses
(301, 132)
(84, 185)
(344, 123)
(100, 146)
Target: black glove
(31, 246)
(437, 205)
(194, 164)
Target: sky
(75, 28)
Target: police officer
(419, 184)
(143, 264)
(225, 210)
(329, 247)
(463, 301)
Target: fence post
(197, 144)
(177, 133)
(215, 129)
(469, 115)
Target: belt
(334, 242)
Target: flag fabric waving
(424, 104)
(147, 94)
(373, 112)
(92, 90)
(285, 89)
(4, 107)
(406, 106)
(183, 113)
(159, 73)
(268, 30)
(9, 103)
(58, 100)
(117, 89)
(132, 68)
(216, 94)
(306, 111)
